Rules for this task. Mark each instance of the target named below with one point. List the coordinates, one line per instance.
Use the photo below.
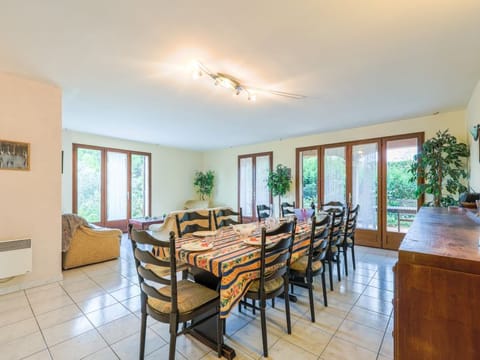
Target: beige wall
(30, 111)
(224, 162)
(473, 118)
(172, 170)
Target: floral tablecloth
(234, 262)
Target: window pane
(262, 194)
(365, 184)
(139, 184)
(116, 186)
(246, 187)
(89, 184)
(335, 175)
(401, 200)
(309, 178)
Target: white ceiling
(123, 65)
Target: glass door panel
(401, 199)
(117, 186)
(139, 192)
(335, 174)
(246, 186)
(365, 184)
(262, 169)
(308, 173)
(89, 184)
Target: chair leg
(345, 259)
(338, 267)
(324, 289)
(353, 256)
(330, 274)
(173, 340)
(143, 330)
(310, 295)
(254, 304)
(273, 303)
(224, 325)
(264, 327)
(287, 306)
(292, 289)
(240, 306)
(220, 332)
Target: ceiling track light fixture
(228, 81)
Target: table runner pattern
(235, 263)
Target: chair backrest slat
(151, 291)
(263, 212)
(351, 221)
(188, 217)
(146, 262)
(319, 240)
(223, 217)
(275, 259)
(148, 257)
(287, 208)
(337, 227)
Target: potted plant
(442, 166)
(279, 181)
(203, 183)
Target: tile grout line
(39, 328)
(343, 320)
(94, 327)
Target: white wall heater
(15, 257)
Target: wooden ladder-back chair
(335, 242)
(287, 208)
(274, 275)
(332, 206)
(312, 264)
(349, 235)
(190, 216)
(166, 299)
(263, 212)
(223, 217)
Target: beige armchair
(92, 245)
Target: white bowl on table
(244, 230)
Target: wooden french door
(253, 170)
(371, 173)
(110, 185)
(400, 204)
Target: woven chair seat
(301, 265)
(190, 296)
(270, 285)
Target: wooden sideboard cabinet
(437, 288)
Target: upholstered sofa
(91, 245)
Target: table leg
(206, 332)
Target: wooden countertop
(443, 238)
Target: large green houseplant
(442, 166)
(203, 183)
(279, 181)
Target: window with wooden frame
(111, 186)
(253, 170)
(370, 172)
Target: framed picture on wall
(14, 155)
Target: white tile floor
(94, 314)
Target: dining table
(229, 263)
